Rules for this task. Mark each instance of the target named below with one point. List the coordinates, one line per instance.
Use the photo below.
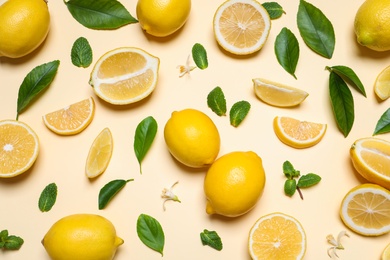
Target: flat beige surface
(62, 159)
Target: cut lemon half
(386, 253)
(365, 209)
(371, 158)
(277, 236)
(125, 75)
(382, 84)
(72, 119)
(298, 134)
(241, 26)
(277, 94)
(99, 154)
(19, 148)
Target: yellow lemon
(372, 24)
(82, 237)
(162, 17)
(192, 138)
(234, 183)
(24, 25)
(386, 253)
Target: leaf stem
(300, 193)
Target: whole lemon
(192, 138)
(372, 24)
(162, 17)
(82, 237)
(234, 183)
(24, 25)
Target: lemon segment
(382, 84)
(277, 236)
(297, 133)
(386, 253)
(371, 158)
(99, 154)
(234, 184)
(72, 119)
(241, 26)
(192, 138)
(24, 25)
(162, 18)
(125, 75)
(19, 148)
(365, 210)
(277, 94)
(82, 236)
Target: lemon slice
(365, 210)
(241, 26)
(298, 134)
(19, 148)
(99, 154)
(371, 158)
(72, 119)
(382, 84)
(125, 75)
(277, 94)
(277, 236)
(386, 253)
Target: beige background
(62, 159)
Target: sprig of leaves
(81, 53)
(144, 136)
(110, 190)
(341, 96)
(274, 9)
(287, 50)
(304, 181)
(212, 239)
(48, 197)
(100, 14)
(150, 232)
(37, 80)
(10, 242)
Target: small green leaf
(48, 197)
(290, 186)
(150, 232)
(287, 50)
(199, 55)
(274, 9)
(3, 235)
(238, 112)
(108, 192)
(100, 14)
(350, 76)
(308, 180)
(216, 101)
(289, 170)
(144, 136)
(212, 239)
(35, 81)
(81, 53)
(316, 29)
(342, 103)
(383, 124)
(10, 242)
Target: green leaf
(108, 192)
(144, 137)
(350, 76)
(216, 101)
(290, 186)
(81, 53)
(383, 124)
(48, 197)
(316, 30)
(35, 81)
(199, 55)
(287, 50)
(308, 180)
(342, 103)
(289, 170)
(274, 9)
(150, 232)
(3, 235)
(100, 14)
(212, 239)
(10, 242)
(238, 112)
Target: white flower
(336, 244)
(168, 194)
(186, 69)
